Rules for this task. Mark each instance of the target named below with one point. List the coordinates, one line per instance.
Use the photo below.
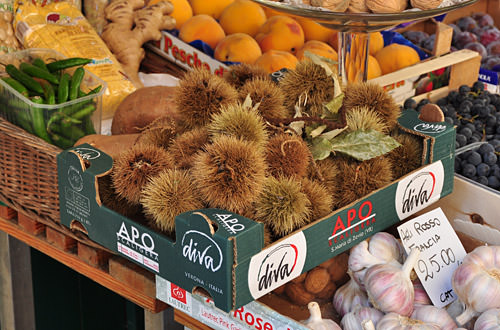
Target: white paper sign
(440, 253)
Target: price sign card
(440, 253)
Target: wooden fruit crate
(491, 7)
(113, 272)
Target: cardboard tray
(222, 252)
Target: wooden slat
(426, 66)
(72, 261)
(188, 321)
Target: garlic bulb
(354, 320)
(455, 309)
(315, 321)
(379, 249)
(389, 287)
(421, 296)
(394, 321)
(348, 296)
(434, 315)
(489, 320)
(477, 282)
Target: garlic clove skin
(354, 320)
(394, 321)
(361, 258)
(421, 296)
(489, 320)
(435, 315)
(316, 322)
(385, 246)
(389, 287)
(477, 282)
(349, 296)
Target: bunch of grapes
(476, 114)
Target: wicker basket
(28, 178)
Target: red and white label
(419, 190)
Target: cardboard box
(491, 80)
(223, 252)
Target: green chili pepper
(75, 82)
(68, 63)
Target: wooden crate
(113, 272)
(491, 7)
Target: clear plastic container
(59, 124)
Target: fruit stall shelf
(109, 270)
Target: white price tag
(440, 253)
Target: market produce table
(112, 272)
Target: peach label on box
(441, 252)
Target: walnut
(316, 280)
(425, 4)
(386, 6)
(327, 292)
(300, 278)
(297, 294)
(358, 6)
(333, 5)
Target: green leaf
(320, 148)
(334, 105)
(364, 145)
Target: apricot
(237, 47)
(202, 27)
(317, 47)
(209, 7)
(376, 42)
(280, 33)
(395, 57)
(242, 16)
(274, 60)
(374, 69)
(314, 31)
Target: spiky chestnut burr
(363, 118)
(326, 172)
(282, 205)
(229, 173)
(239, 74)
(200, 95)
(241, 122)
(167, 195)
(111, 200)
(320, 198)
(310, 80)
(185, 146)
(133, 168)
(160, 133)
(374, 97)
(408, 156)
(358, 179)
(269, 96)
(287, 155)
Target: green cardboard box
(222, 252)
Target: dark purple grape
(474, 158)
(465, 131)
(478, 86)
(461, 139)
(469, 170)
(483, 169)
(410, 104)
(493, 182)
(482, 180)
(490, 158)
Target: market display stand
(113, 272)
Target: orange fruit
(274, 60)
(202, 27)
(237, 47)
(376, 42)
(209, 7)
(333, 41)
(314, 31)
(242, 16)
(395, 56)
(374, 69)
(317, 47)
(280, 33)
